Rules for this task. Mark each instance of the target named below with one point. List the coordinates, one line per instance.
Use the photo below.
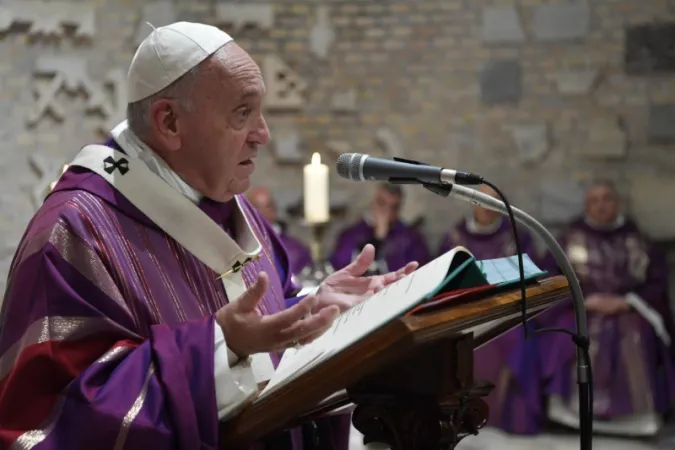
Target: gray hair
(393, 189)
(138, 113)
(604, 182)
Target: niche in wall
(650, 49)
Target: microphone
(359, 167)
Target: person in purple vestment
(507, 361)
(624, 281)
(395, 242)
(298, 253)
(112, 334)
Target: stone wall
(534, 97)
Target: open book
(455, 270)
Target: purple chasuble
(632, 367)
(402, 245)
(496, 244)
(509, 361)
(107, 337)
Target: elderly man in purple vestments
(395, 242)
(624, 280)
(508, 361)
(147, 298)
(298, 254)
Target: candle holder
(320, 268)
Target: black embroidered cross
(109, 165)
(237, 266)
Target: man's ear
(164, 116)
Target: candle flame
(316, 159)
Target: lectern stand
(410, 383)
(428, 401)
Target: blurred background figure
(624, 279)
(298, 252)
(395, 242)
(488, 234)
(507, 361)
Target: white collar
(617, 223)
(474, 227)
(135, 148)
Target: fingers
(288, 317)
(314, 336)
(359, 266)
(355, 286)
(249, 300)
(406, 270)
(392, 277)
(311, 327)
(410, 267)
(343, 302)
(401, 273)
(378, 288)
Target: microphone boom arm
(478, 198)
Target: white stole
(181, 219)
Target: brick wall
(415, 66)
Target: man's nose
(262, 132)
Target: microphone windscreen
(349, 166)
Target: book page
(362, 319)
(505, 270)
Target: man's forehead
(383, 194)
(242, 75)
(599, 189)
(252, 92)
(249, 85)
(488, 190)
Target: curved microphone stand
(583, 365)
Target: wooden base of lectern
(426, 402)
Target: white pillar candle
(316, 191)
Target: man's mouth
(247, 162)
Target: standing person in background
(394, 242)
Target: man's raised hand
(247, 331)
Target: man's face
(222, 135)
(386, 204)
(602, 204)
(486, 216)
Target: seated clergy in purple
(395, 242)
(507, 361)
(624, 280)
(148, 298)
(298, 254)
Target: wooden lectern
(410, 383)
